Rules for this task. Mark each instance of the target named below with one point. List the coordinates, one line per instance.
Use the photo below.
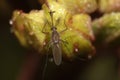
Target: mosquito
(55, 41)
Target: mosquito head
(53, 28)
(51, 13)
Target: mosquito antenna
(51, 15)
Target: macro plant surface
(78, 36)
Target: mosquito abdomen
(57, 55)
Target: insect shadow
(55, 40)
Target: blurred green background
(13, 57)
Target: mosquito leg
(45, 67)
(57, 22)
(43, 29)
(46, 61)
(63, 41)
(49, 44)
(65, 26)
(64, 29)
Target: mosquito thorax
(53, 28)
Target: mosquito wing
(57, 55)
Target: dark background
(18, 63)
(12, 54)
